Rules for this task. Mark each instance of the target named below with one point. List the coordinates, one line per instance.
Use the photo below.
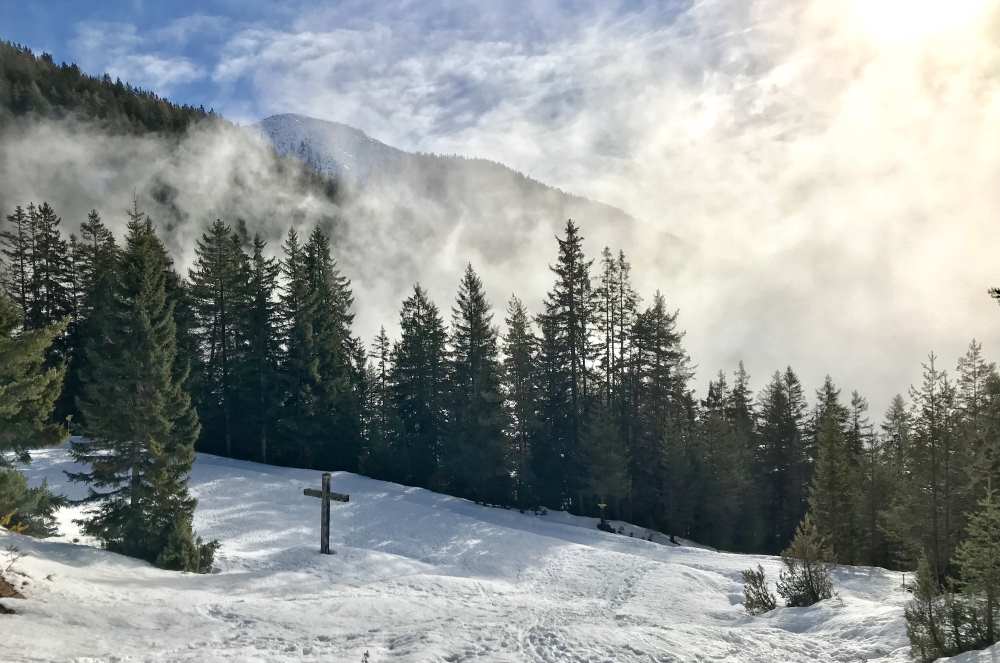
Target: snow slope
(329, 147)
(417, 576)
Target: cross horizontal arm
(336, 497)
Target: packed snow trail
(417, 576)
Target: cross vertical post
(324, 524)
(324, 517)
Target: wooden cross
(324, 515)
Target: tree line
(34, 85)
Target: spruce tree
(615, 312)
(28, 389)
(806, 580)
(606, 462)
(334, 432)
(377, 457)
(218, 290)
(50, 292)
(420, 388)
(475, 458)
(726, 471)
(925, 626)
(299, 366)
(568, 324)
(520, 386)
(977, 560)
(94, 256)
(17, 246)
(925, 518)
(257, 373)
(976, 420)
(660, 416)
(832, 493)
(550, 454)
(783, 458)
(741, 416)
(140, 451)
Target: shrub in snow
(27, 510)
(940, 621)
(805, 580)
(183, 552)
(757, 598)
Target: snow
(417, 576)
(330, 148)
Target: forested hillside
(35, 86)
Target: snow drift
(417, 576)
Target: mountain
(359, 160)
(331, 148)
(416, 576)
(414, 216)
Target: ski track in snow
(418, 576)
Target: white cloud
(832, 165)
(118, 50)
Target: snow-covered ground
(417, 576)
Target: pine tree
(475, 463)
(806, 580)
(520, 386)
(420, 388)
(139, 453)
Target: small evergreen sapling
(925, 623)
(805, 580)
(757, 598)
(25, 510)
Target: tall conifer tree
(139, 453)
(420, 388)
(520, 385)
(475, 461)
(218, 295)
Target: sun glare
(906, 20)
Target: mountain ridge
(332, 148)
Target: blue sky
(223, 53)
